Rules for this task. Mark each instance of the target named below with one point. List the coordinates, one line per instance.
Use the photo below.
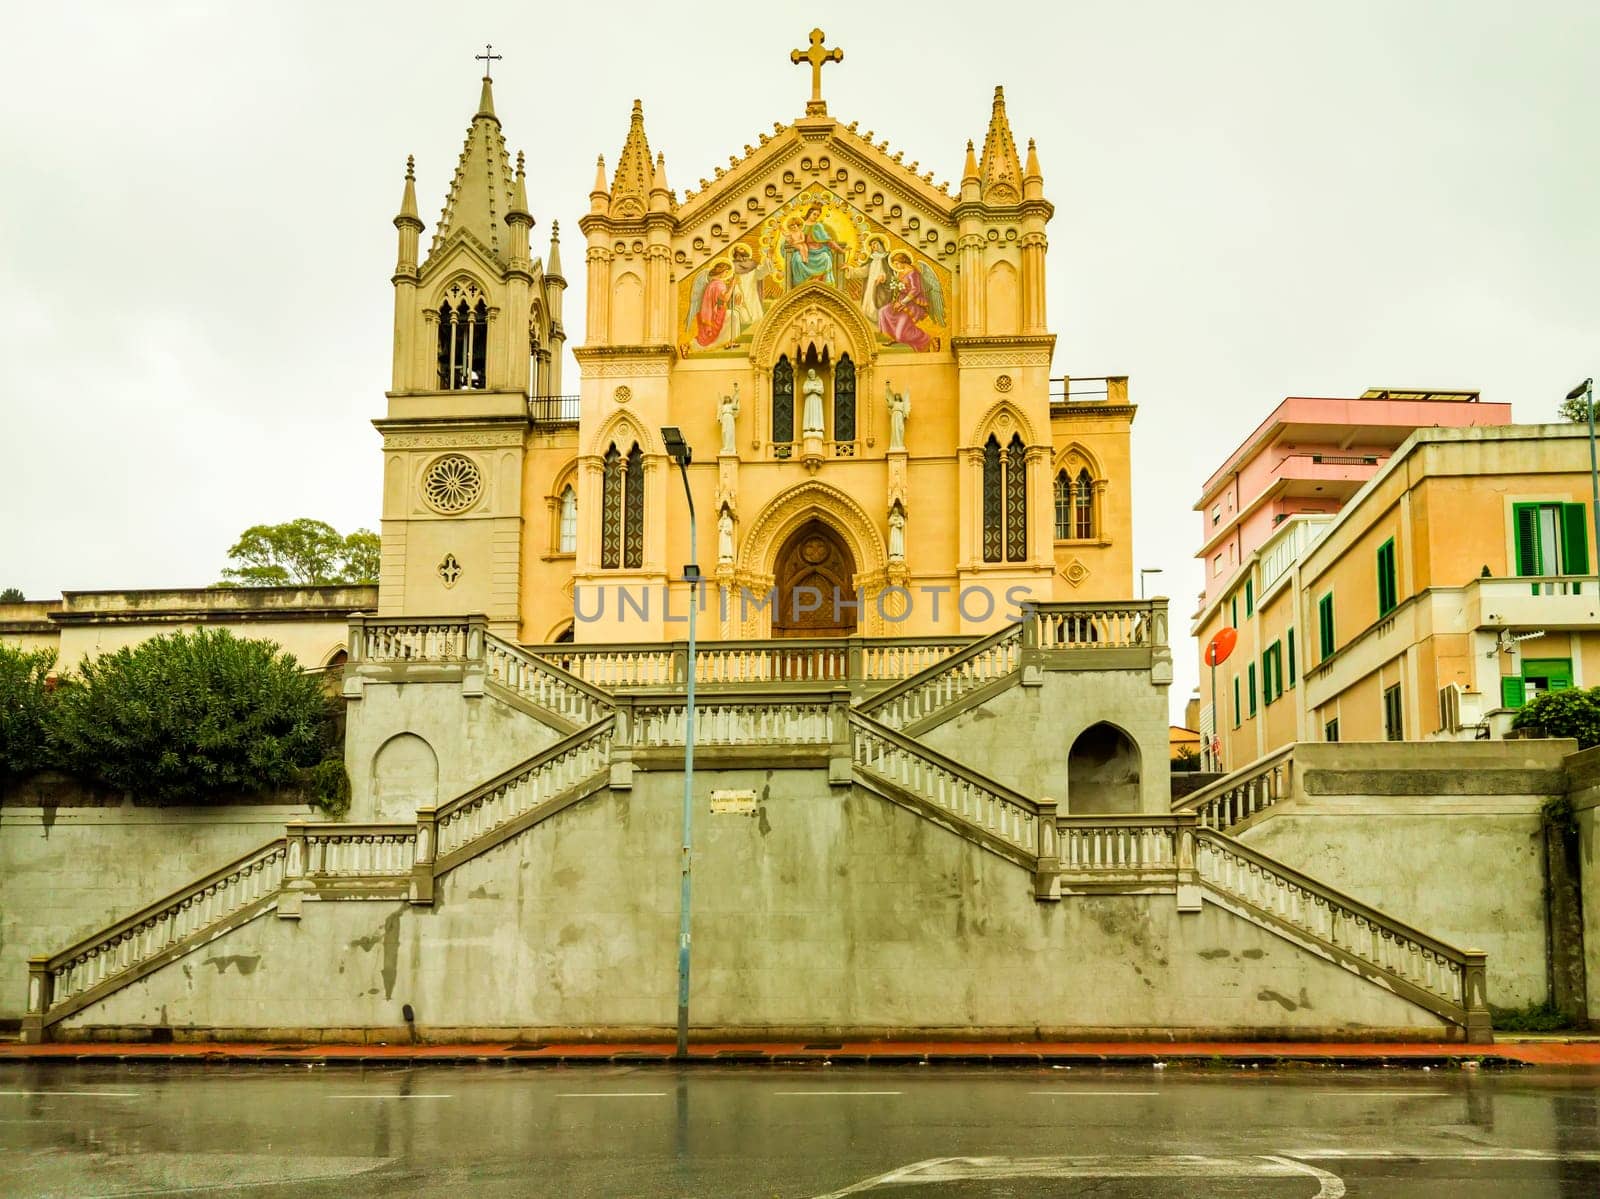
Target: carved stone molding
(434, 441)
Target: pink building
(1311, 455)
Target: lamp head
(1580, 389)
(677, 448)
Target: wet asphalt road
(802, 1133)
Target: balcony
(553, 411)
(1552, 603)
(1070, 391)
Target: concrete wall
(1023, 736)
(472, 738)
(1445, 836)
(1583, 779)
(68, 872)
(829, 910)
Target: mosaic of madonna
(816, 235)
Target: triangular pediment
(461, 251)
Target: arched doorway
(814, 577)
(1103, 773)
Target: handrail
(542, 682)
(957, 791)
(946, 682)
(1447, 979)
(1086, 625)
(1237, 796)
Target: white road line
(391, 1096)
(94, 1094)
(612, 1095)
(838, 1092)
(1064, 1091)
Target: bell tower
(478, 343)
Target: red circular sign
(1221, 646)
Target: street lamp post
(1586, 390)
(680, 453)
(1147, 570)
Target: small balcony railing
(553, 410)
(1088, 389)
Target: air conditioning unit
(1459, 708)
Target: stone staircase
(869, 742)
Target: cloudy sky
(1254, 198)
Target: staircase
(933, 695)
(1236, 798)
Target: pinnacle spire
(630, 187)
(1000, 169)
(552, 265)
(970, 171)
(480, 195)
(519, 190)
(408, 199)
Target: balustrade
(542, 684)
(958, 675)
(748, 720)
(382, 640)
(356, 850)
(1236, 797)
(1073, 626)
(1118, 845)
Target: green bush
(328, 786)
(1569, 713)
(25, 709)
(193, 717)
(1535, 1017)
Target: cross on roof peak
(816, 55)
(488, 58)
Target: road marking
(1374, 1094)
(838, 1092)
(1187, 1167)
(391, 1096)
(94, 1094)
(612, 1095)
(1064, 1090)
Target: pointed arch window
(611, 510)
(1016, 500)
(844, 399)
(783, 406)
(463, 339)
(1063, 498)
(1005, 500)
(622, 509)
(567, 537)
(633, 510)
(1083, 506)
(993, 503)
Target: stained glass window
(993, 505)
(783, 401)
(844, 400)
(1016, 500)
(633, 511)
(1083, 507)
(569, 521)
(611, 511)
(1063, 506)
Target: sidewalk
(1511, 1051)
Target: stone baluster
(623, 739)
(1188, 870)
(296, 863)
(1047, 873)
(423, 858)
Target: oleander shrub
(1573, 712)
(26, 703)
(194, 718)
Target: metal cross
(488, 58)
(816, 56)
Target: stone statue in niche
(727, 413)
(899, 412)
(897, 534)
(813, 419)
(725, 537)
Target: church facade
(859, 359)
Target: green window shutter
(1574, 539)
(1233, 609)
(1249, 597)
(1252, 674)
(1512, 692)
(1325, 624)
(1386, 583)
(1236, 709)
(1291, 657)
(1527, 521)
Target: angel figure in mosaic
(915, 295)
(709, 301)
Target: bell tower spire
(480, 194)
(630, 188)
(1001, 170)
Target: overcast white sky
(1254, 198)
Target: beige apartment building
(1458, 583)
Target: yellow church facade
(859, 359)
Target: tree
(301, 553)
(194, 717)
(12, 595)
(25, 710)
(1576, 410)
(1572, 712)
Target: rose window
(453, 483)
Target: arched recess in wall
(627, 311)
(1103, 772)
(1002, 299)
(405, 777)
